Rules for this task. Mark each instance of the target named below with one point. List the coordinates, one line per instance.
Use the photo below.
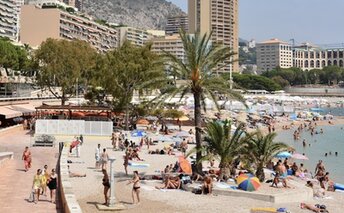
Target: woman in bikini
(27, 159)
(136, 187)
(106, 184)
(37, 184)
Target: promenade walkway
(15, 183)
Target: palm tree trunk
(63, 99)
(127, 116)
(198, 125)
(260, 173)
(224, 170)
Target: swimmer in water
(330, 153)
(326, 154)
(336, 153)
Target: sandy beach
(89, 190)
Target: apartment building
(175, 24)
(221, 18)
(9, 18)
(273, 53)
(171, 44)
(135, 36)
(307, 56)
(39, 23)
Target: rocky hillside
(146, 14)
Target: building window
(318, 64)
(323, 63)
(341, 54)
(329, 63)
(340, 63)
(306, 64)
(335, 54)
(329, 54)
(335, 62)
(312, 64)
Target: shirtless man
(319, 166)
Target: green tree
(261, 149)
(62, 64)
(128, 69)
(12, 57)
(203, 57)
(225, 145)
(173, 113)
(280, 81)
(258, 82)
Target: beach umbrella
(184, 118)
(138, 133)
(299, 156)
(283, 155)
(243, 177)
(249, 184)
(142, 122)
(185, 165)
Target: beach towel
(138, 165)
(263, 210)
(222, 185)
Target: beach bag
(197, 191)
(31, 196)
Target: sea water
(332, 140)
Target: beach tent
(185, 165)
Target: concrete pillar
(112, 199)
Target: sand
(89, 190)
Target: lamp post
(230, 86)
(112, 198)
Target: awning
(26, 109)
(8, 113)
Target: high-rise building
(39, 24)
(135, 36)
(171, 44)
(174, 24)
(221, 18)
(9, 18)
(274, 53)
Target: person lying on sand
(171, 183)
(73, 174)
(312, 208)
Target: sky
(314, 21)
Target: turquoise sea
(332, 140)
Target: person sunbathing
(171, 183)
(312, 208)
(73, 174)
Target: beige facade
(219, 17)
(171, 44)
(175, 24)
(135, 36)
(274, 53)
(307, 57)
(38, 24)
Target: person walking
(52, 185)
(27, 159)
(104, 158)
(45, 178)
(126, 161)
(97, 156)
(136, 187)
(37, 185)
(106, 184)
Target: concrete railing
(4, 156)
(68, 200)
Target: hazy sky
(315, 21)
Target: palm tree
(226, 146)
(202, 58)
(261, 149)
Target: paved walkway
(15, 183)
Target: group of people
(43, 180)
